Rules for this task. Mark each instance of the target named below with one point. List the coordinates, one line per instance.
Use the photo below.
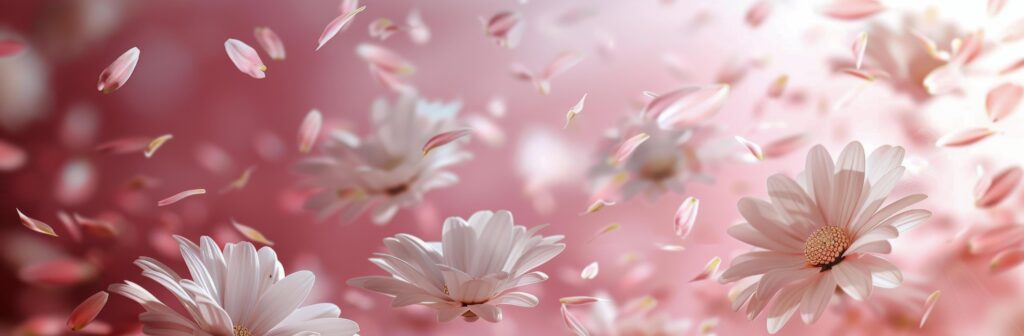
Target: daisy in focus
(822, 232)
(388, 169)
(470, 272)
(235, 292)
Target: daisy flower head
(387, 169)
(237, 291)
(470, 272)
(823, 232)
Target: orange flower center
(241, 331)
(825, 247)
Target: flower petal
(444, 139)
(117, 73)
(179, 196)
(687, 106)
(251, 233)
(709, 269)
(628, 147)
(590, 272)
(11, 157)
(36, 225)
(336, 26)
(245, 58)
(87, 311)
(753, 148)
(575, 110)
(853, 9)
(858, 48)
(155, 144)
(270, 43)
(991, 191)
(1003, 100)
(309, 131)
(964, 137)
(1006, 260)
(572, 323)
(929, 305)
(685, 216)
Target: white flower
(237, 292)
(388, 169)
(469, 272)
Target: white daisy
(237, 292)
(388, 169)
(469, 272)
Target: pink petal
(561, 64)
(575, 110)
(1006, 260)
(670, 247)
(944, 79)
(709, 269)
(784, 146)
(859, 45)
(213, 158)
(245, 58)
(758, 13)
(628, 147)
(179, 196)
(967, 49)
(687, 107)
(597, 206)
(241, 181)
(57, 272)
(309, 131)
(96, 227)
(1014, 32)
(155, 144)
(384, 59)
(995, 6)
(929, 305)
(996, 239)
(686, 215)
(383, 28)
(87, 311)
(11, 47)
(70, 225)
(36, 225)
(991, 191)
(486, 129)
(251, 233)
(419, 33)
(444, 139)
(572, 323)
(336, 25)
(1003, 100)
(868, 75)
(778, 86)
(753, 148)
(589, 272)
(964, 137)
(929, 45)
(1012, 68)
(11, 157)
(505, 28)
(270, 43)
(125, 145)
(578, 300)
(77, 182)
(606, 230)
(853, 9)
(117, 73)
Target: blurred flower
(469, 271)
(239, 292)
(607, 318)
(822, 233)
(388, 169)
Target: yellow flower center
(241, 331)
(825, 247)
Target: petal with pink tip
(251, 233)
(444, 139)
(574, 325)
(36, 225)
(964, 137)
(87, 311)
(505, 28)
(627, 147)
(383, 28)
(597, 206)
(1006, 260)
(709, 269)
(384, 59)
(929, 305)
(561, 64)
(685, 216)
(309, 131)
(783, 146)
(245, 58)
(336, 25)
(858, 48)
(115, 75)
(1003, 100)
(990, 191)
(853, 9)
(752, 147)
(688, 106)
(270, 42)
(758, 13)
(180, 196)
(11, 157)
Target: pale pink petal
(57, 272)
(964, 137)
(383, 28)
(930, 46)
(687, 107)
(384, 59)
(70, 225)
(778, 86)
(251, 233)
(336, 26)
(561, 64)
(858, 48)
(868, 75)
(1006, 260)
(1014, 32)
(347, 6)
(1003, 100)
(758, 13)
(996, 239)
(854, 280)
(1019, 64)
(929, 305)
(418, 31)
(245, 58)
(753, 148)
(309, 131)
(995, 6)
(96, 227)
(180, 196)
(597, 206)
(709, 269)
(686, 215)
(241, 181)
(572, 323)
(213, 158)
(155, 144)
(578, 300)
(36, 225)
(77, 182)
(11, 157)
(115, 75)
(606, 230)
(670, 247)
(589, 272)
(575, 110)
(991, 191)
(270, 43)
(944, 79)
(486, 129)
(783, 146)
(505, 28)
(87, 311)
(444, 139)
(853, 9)
(967, 49)
(124, 146)
(627, 147)
(10, 47)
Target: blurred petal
(245, 58)
(709, 269)
(309, 131)
(270, 43)
(687, 107)
(964, 137)
(87, 311)
(251, 234)
(753, 148)
(575, 110)
(572, 323)
(858, 48)
(929, 305)
(853, 9)
(180, 196)
(628, 147)
(1003, 100)
(589, 272)
(36, 225)
(336, 26)
(991, 191)
(11, 157)
(686, 215)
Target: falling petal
(784, 146)
(991, 191)
(270, 43)
(688, 106)
(853, 9)
(579, 300)
(1003, 100)
(505, 28)
(930, 46)
(967, 49)
(572, 323)
(778, 86)
(57, 272)
(597, 206)
(384, 59)
(964, 137)
(758, 13)
(1014, 32)
(77, 182)
(213, 158)
(496, 107)
(10, 47)
(709, 269)
(36, 225)
(859, 45)
(241, 181)
(606, 230)
(115, 75)
(589, 272)
(996, 239)
(561, 64)
(125, 145)
(575, 110)
(336, 26)
(670, 247)
(155, 144)
(11, 157)
(486, 129)
(1006, 260)
(96, 227)
(869, 75)
(753, 148)
(87, 311)
(418, 31)
(628, 147)
(383, 28)
(251, 234)
(245, 58)
(444, 139)
(70, 225)
(929, 305)
(309, 131)
(179, 196)
(686, 215)
(1019, 64)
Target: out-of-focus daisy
(235, 292)
(634, 318)
(387, 169)
(822, 233)
(470, 272)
